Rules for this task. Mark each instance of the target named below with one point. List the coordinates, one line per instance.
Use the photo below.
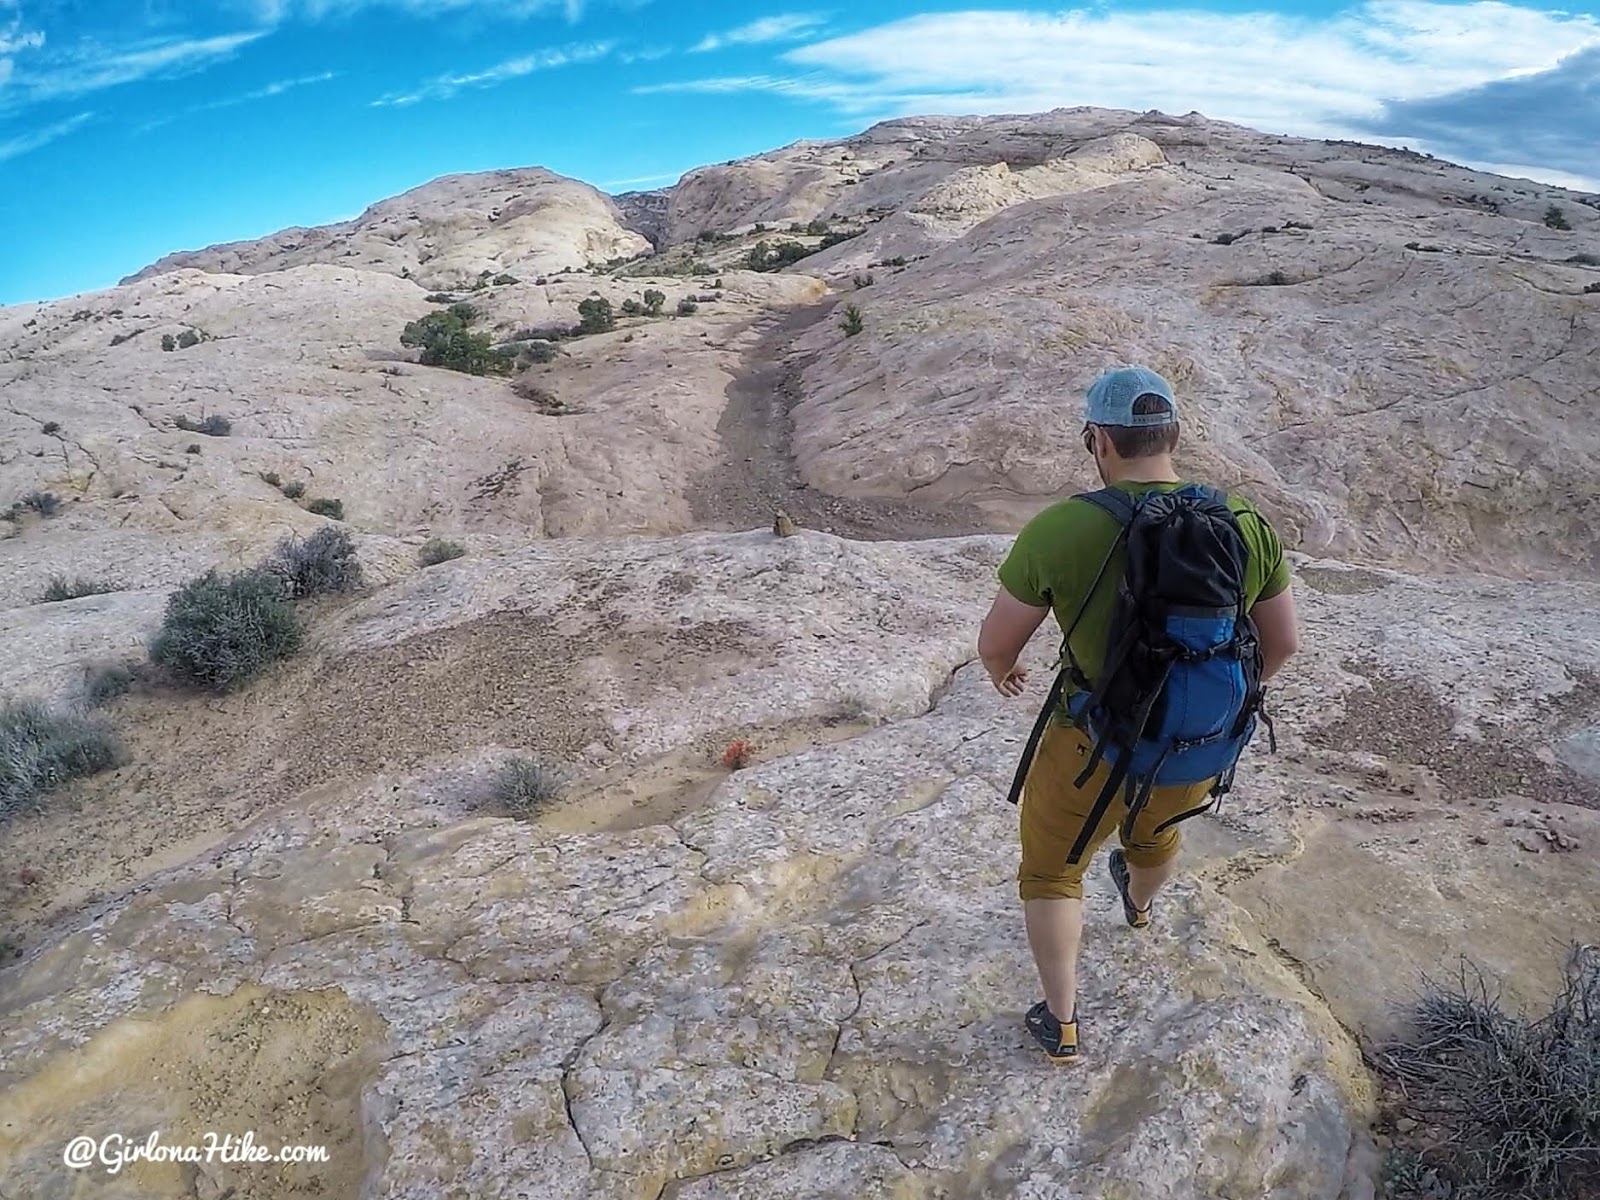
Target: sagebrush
(41, 748)
(439, 550)
(318, 565)
(1518, 1097)
(61, 588)
(523, 787)
(219, 631)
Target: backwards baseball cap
(1110, 399)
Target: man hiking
(1175, 608)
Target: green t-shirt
(1057, 554)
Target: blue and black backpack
(1179, 694)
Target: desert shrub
(46, 504)
(41, 748)
(273, 478)
(763, 257)
(1555, 218)
(737, 754)
(1518, 1096)
(326, 506)
(188, 338)
(1273, 279)
(439, 298)
(595, 316)
(445, 341)
(319, 565)
(632, 308)
(717, 285)
(61, 588)
(687, 307)
(1227, 239)
(50, 427)
(653, 300)
(537, 354)
(1582, 260)
(1591, 289)
(817, 227)
(212, 426)
(192, 448)
(439, 550)
(796, 227)
(294, 489)
(851, 323)
(168, 342)
(833, 238)
(118, 338)
(523, 787)
(862, 281)
(503, 280)
(107, 683)
(221, 630)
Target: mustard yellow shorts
(1054, 813)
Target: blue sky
(131, 128)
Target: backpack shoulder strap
(1113, 500)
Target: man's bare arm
(1001, 639)
(1280, 633)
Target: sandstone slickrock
(294, 910)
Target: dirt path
(758, 475)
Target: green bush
(439, 550)
(40, 749)
(107, 683)
(1555, 218)
(50, 427)
(326, 506)
(1591, 289)
(653, 300)
(1517, 1098)
(319, 565)
(632, 308)
(687, 307)
(595, 316)
(862, 281)
(817, 227)
(523, 787)
(61, 588)
(1582, 260)
(833, 238)
(538, 354)
(192, 448)
(273, 478)
(212, 426)
(852, 323)
(188, 338)
(445, 341)
(294, 489)
(763, 257)
(168, 342)
(439, 298)
(220, 631)
(504, 280)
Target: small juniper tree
(595, 315)
(1555, 218)
(653, 300)
(852, 323)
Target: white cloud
(782, 27)
(89, 67)
(444, 86)
(1330, 76)
(273, 12)
(25, 142)
(276, 88)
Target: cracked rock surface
(810, 983)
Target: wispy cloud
(783, 27)
(90, 67)
(22, 143)
(262, 93)
(665, 177)
(273, 12)
(1329, 76)
(444, 86)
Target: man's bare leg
(1145, 882)
(1055, 930)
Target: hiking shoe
(1059, 1038)
(1136, 917)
